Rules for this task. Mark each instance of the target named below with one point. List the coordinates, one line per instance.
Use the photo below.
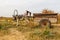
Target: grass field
(27, 31)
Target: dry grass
(27, 31)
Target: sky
(7, 7)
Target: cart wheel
(45, 23)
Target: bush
(0, 26)
(46, 32)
